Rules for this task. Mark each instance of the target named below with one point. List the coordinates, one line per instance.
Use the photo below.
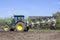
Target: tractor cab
(18, 18)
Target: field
(31, 35)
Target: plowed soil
(31, 35)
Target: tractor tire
(20, 26)
(6, 27)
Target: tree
(57, 14)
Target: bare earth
(31, 35)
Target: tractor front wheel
(6, 27)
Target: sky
(9, 8)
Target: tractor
(16, 23)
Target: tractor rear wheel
(20, 26)
(6, 27)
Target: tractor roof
(18, 15)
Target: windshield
(19, 18)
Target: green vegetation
(58, 19)
(2, 21)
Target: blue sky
(28, 7)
